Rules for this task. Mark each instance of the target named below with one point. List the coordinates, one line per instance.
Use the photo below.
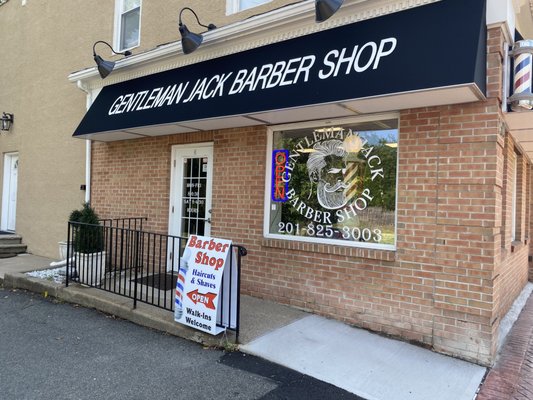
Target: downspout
(89, 101)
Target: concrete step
(10, 239)
(11, 250)
(7, 255)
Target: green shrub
(87, 235)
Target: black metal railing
(120, 257)
(134, 223)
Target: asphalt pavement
(53, 350)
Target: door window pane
(194, 196)
(195, 167)
(202, 186)
(203, 169)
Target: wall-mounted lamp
(326, 8)
(105, 67)
(6, 121)
(190, 41)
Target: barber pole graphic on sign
(199, 282)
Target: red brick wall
(132, 178)
(512, 271)
(510, 274)
(446, 218)
(530, 221)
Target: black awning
(408, 51)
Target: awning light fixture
(190, 41)
(326, 8)
(105, 67)
(7, 119)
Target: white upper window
(127, 24)
(234, 6)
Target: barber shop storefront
(365, 164)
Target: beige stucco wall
(36, 55)
(42, 42)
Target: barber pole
(180, 284)
(522, 98)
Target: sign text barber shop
(296, 70)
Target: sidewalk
(512, 376)
(363, 363)
(22, 263)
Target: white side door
(9, 193)
(190, 192)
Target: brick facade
(529, 220)
(456, 269)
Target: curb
(122, 307)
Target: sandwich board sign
(199, 282)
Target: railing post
(69, 241)
(241, 253)
(136, 266)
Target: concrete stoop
(122, 307)
(11, 245)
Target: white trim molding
(502, 12)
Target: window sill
(119, 50)
(233, 7)
(516, 245)
(325, 248)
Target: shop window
(234, 6)
(334, 183)
(127, 24)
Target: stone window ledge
(324, 248)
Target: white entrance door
(9, 194)
(190, 191)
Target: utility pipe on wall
(89, 102)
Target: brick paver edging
(512, 376)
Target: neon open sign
(280, 186)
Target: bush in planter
(88, 245)
(87, 237)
